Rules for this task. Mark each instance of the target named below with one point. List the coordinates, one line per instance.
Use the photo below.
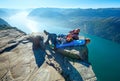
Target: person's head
(77, 30)
(45, 32)
(87, 40)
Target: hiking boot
(52, 46)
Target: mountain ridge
(102, 22)
(3, 22)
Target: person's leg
(53, 40)
(47, 41)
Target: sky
(23, 4)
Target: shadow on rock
(38, 49)
(67, 70)
(84, 63)
(8, 48)
(39, 56)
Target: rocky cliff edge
(26, 58)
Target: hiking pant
(52, 38)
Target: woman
(73, 35)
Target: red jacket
(73, 35)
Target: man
(52, 38)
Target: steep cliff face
(26, 58)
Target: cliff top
(26, 58)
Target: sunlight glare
(32, 25)
(21, 17)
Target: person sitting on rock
(73, 35)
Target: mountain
(8, 12)
(27, 58)
(5, 26)
(3, 23)
(102, 22)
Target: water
(28, 25)
(103, 54)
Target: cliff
(3, 23)
(26, 58)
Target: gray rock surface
(76, 52)
(27, 58)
